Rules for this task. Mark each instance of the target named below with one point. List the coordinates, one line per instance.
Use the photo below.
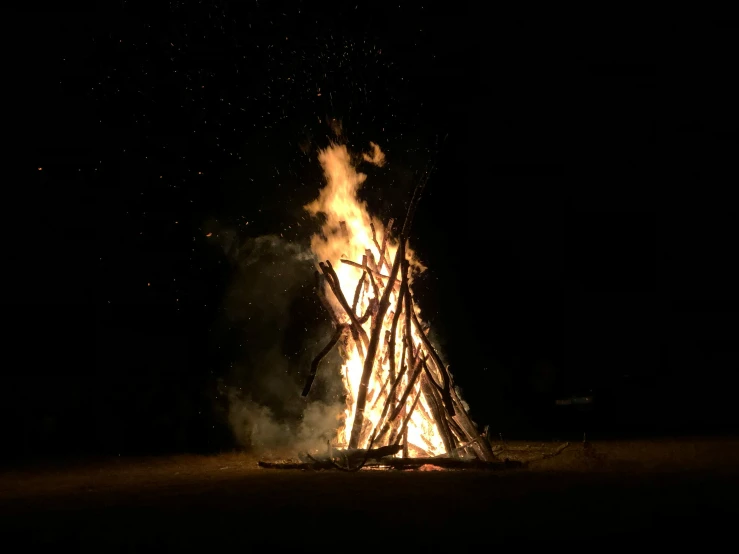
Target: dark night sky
(590, 203)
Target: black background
(578, 226)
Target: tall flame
(348, 234)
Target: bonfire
(402, 408)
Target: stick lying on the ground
(401, 463)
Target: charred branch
(322, 354)
(372, 350)
(482, 447)
(380, 249)
(445, 392)
(437, 412)
(396, 284)
(385, 235)
(333, 281)
(399, 463)
(358, 290)
(403, 399)
(320, 290)
(403, 433)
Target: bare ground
(668, 490)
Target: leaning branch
(322, 354)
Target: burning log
(320, 280)
(396, 412)
(445, 393)
(399, 463)
(371, 308)
(371, 270)
(360, 266)
(322, 354)
(384, 403)
(404, 428)
(482, 447)
(369, 360)
(384, 242)
(380, 249)
(333, 281)
(358, 290)
(438, 414)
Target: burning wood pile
(402, 408)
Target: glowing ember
(362, 253)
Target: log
(371, 307)
(482, 446)
(394, 328)
(375, 289)
(358, 290)
(369, 360)
(382, 390)
(457, 430)
(415, 199)
(404, 428)
(400, 463)
(438, 415)
(388, 402)
(422, 451)
(380, 249)
(320, 284)
(396, 285)
(417, 370)
(322, 354)
(385, 235)
(445, 392)
(333, 282)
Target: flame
(347, 234)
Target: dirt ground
(668, 490)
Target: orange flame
(347, 234)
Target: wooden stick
(454, 426)
(373, 282)
(320, 284)
(382, 390)
(322, 354)
(417, 370)
(482, 447)
(391, 394)
(424, 453)
(388, 402)
(385, 343)
(394, 328)
(377, 273)
(359, 289)
(333, 282)
(390, 406)
(445, 393)
(404, 428)
(385, 235)
(380, 249)
(436, 411)
(415, 199)
(401, 463)
(369, 311)
(369, 360)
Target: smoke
(256, 427)
(276, 325)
